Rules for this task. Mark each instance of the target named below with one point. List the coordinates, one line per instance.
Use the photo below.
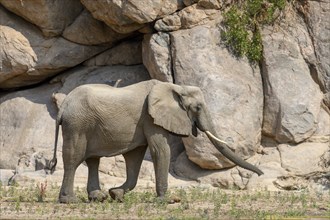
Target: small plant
(41, 191)
(2, 191)
(242, 25)
(18, 203)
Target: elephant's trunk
(224, 149)
(205, 124)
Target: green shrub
(243, 21)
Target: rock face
(233, 93)
(157, 56)
(274, 114)
(316, 13)
(291, 111)
(27, 57)
(127, 53)
(27, 122)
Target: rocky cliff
(273, 113)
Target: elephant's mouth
(194, 129)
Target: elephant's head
(181, 110)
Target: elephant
(102, 121)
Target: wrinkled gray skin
(99, 120)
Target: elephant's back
(89, 88)
(92, 102)
(98, 89)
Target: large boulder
(131, 15)
(16, 55)
(232, 90)
(110, 12)
(303, 159)
(292, 98)
(144, 11)
(52, 17)
(157, 56)
(188, 17)
(89, 31)
(27, 58)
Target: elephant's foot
(68, 199)
(97, 195)
(117, 194)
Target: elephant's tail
(53, 162)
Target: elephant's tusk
(215, 138)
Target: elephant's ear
(165, 108)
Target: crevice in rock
(314, 74)
(172, 57)
(263, 70)
(31, 86)
(268, 96)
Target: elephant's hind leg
(73, 155)
(93, 185)
(133, 161)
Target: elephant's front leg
(93, 184)
(133, 160)
(160, 151)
